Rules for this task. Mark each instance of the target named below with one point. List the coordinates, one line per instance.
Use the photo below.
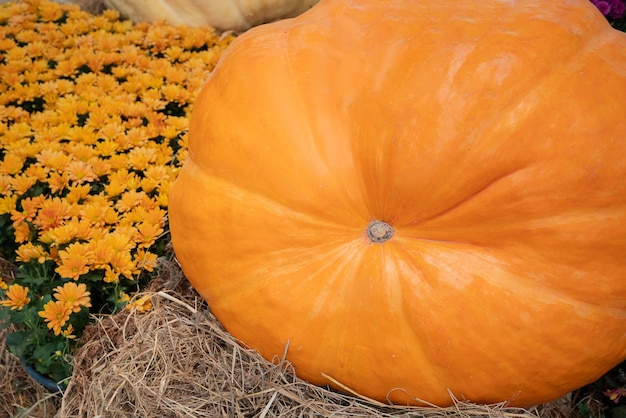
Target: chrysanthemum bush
(93, 119)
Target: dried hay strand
(177, 361)
(20, 396)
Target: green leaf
(17, 342)
(45, 353)
(619, 412)
(5, 317)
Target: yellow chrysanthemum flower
(123, 297)
(76, 295)
(22, 232)
(8, 204)
(95, 213)
(74, 261)
(56, 314)
(142, 304)
(53, 159)
(17, 297)
(110, 275)
(121, 240)
(30, 206)
(30, 252)
(148, 185)
(102, 254)
(69, 332)
(52, 213)
(60, 235)
(145, 260)
(123, 265)
(147, 234)
(11, 164)
(5, 184)
(140, 158)
(81, 172)
(106, 147)
(58, 181)
(100, 167)
(22, 183)
(37, 172)
(77, 192)
(50, 11)
(129, 200)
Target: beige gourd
(220, 14)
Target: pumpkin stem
(379, 231)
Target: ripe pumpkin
(416, 196)
(219, 14)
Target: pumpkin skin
(489, 135)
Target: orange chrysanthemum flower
(5, 184)
(11, 164)
(78, 193)
(140, 158)
(52, 213)
(148, 185)
(142, 304)
(7, 204)
(50, 11)
(147, 234)
(58, 181)
(95, 213)
(81, 172)
(129, 200)
(123, 264)
(121, 240)
(56, 314)
(53, 159)
(29, 209)
(69, 332)
(155, 216)
(74, 261)
(30, 252)
(76, 295)
(22, 232)
(80, 150)
(60, 235)
(106, 147)
(17, 297)
(162, 199)
(146, 260)
(37, 172)
(110, 275)
(100, 167)
(111, 131)
(22, 183)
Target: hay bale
(177, 361)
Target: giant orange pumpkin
(412, 197)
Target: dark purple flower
(603, 6)
(618, 7)
(614, 9)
